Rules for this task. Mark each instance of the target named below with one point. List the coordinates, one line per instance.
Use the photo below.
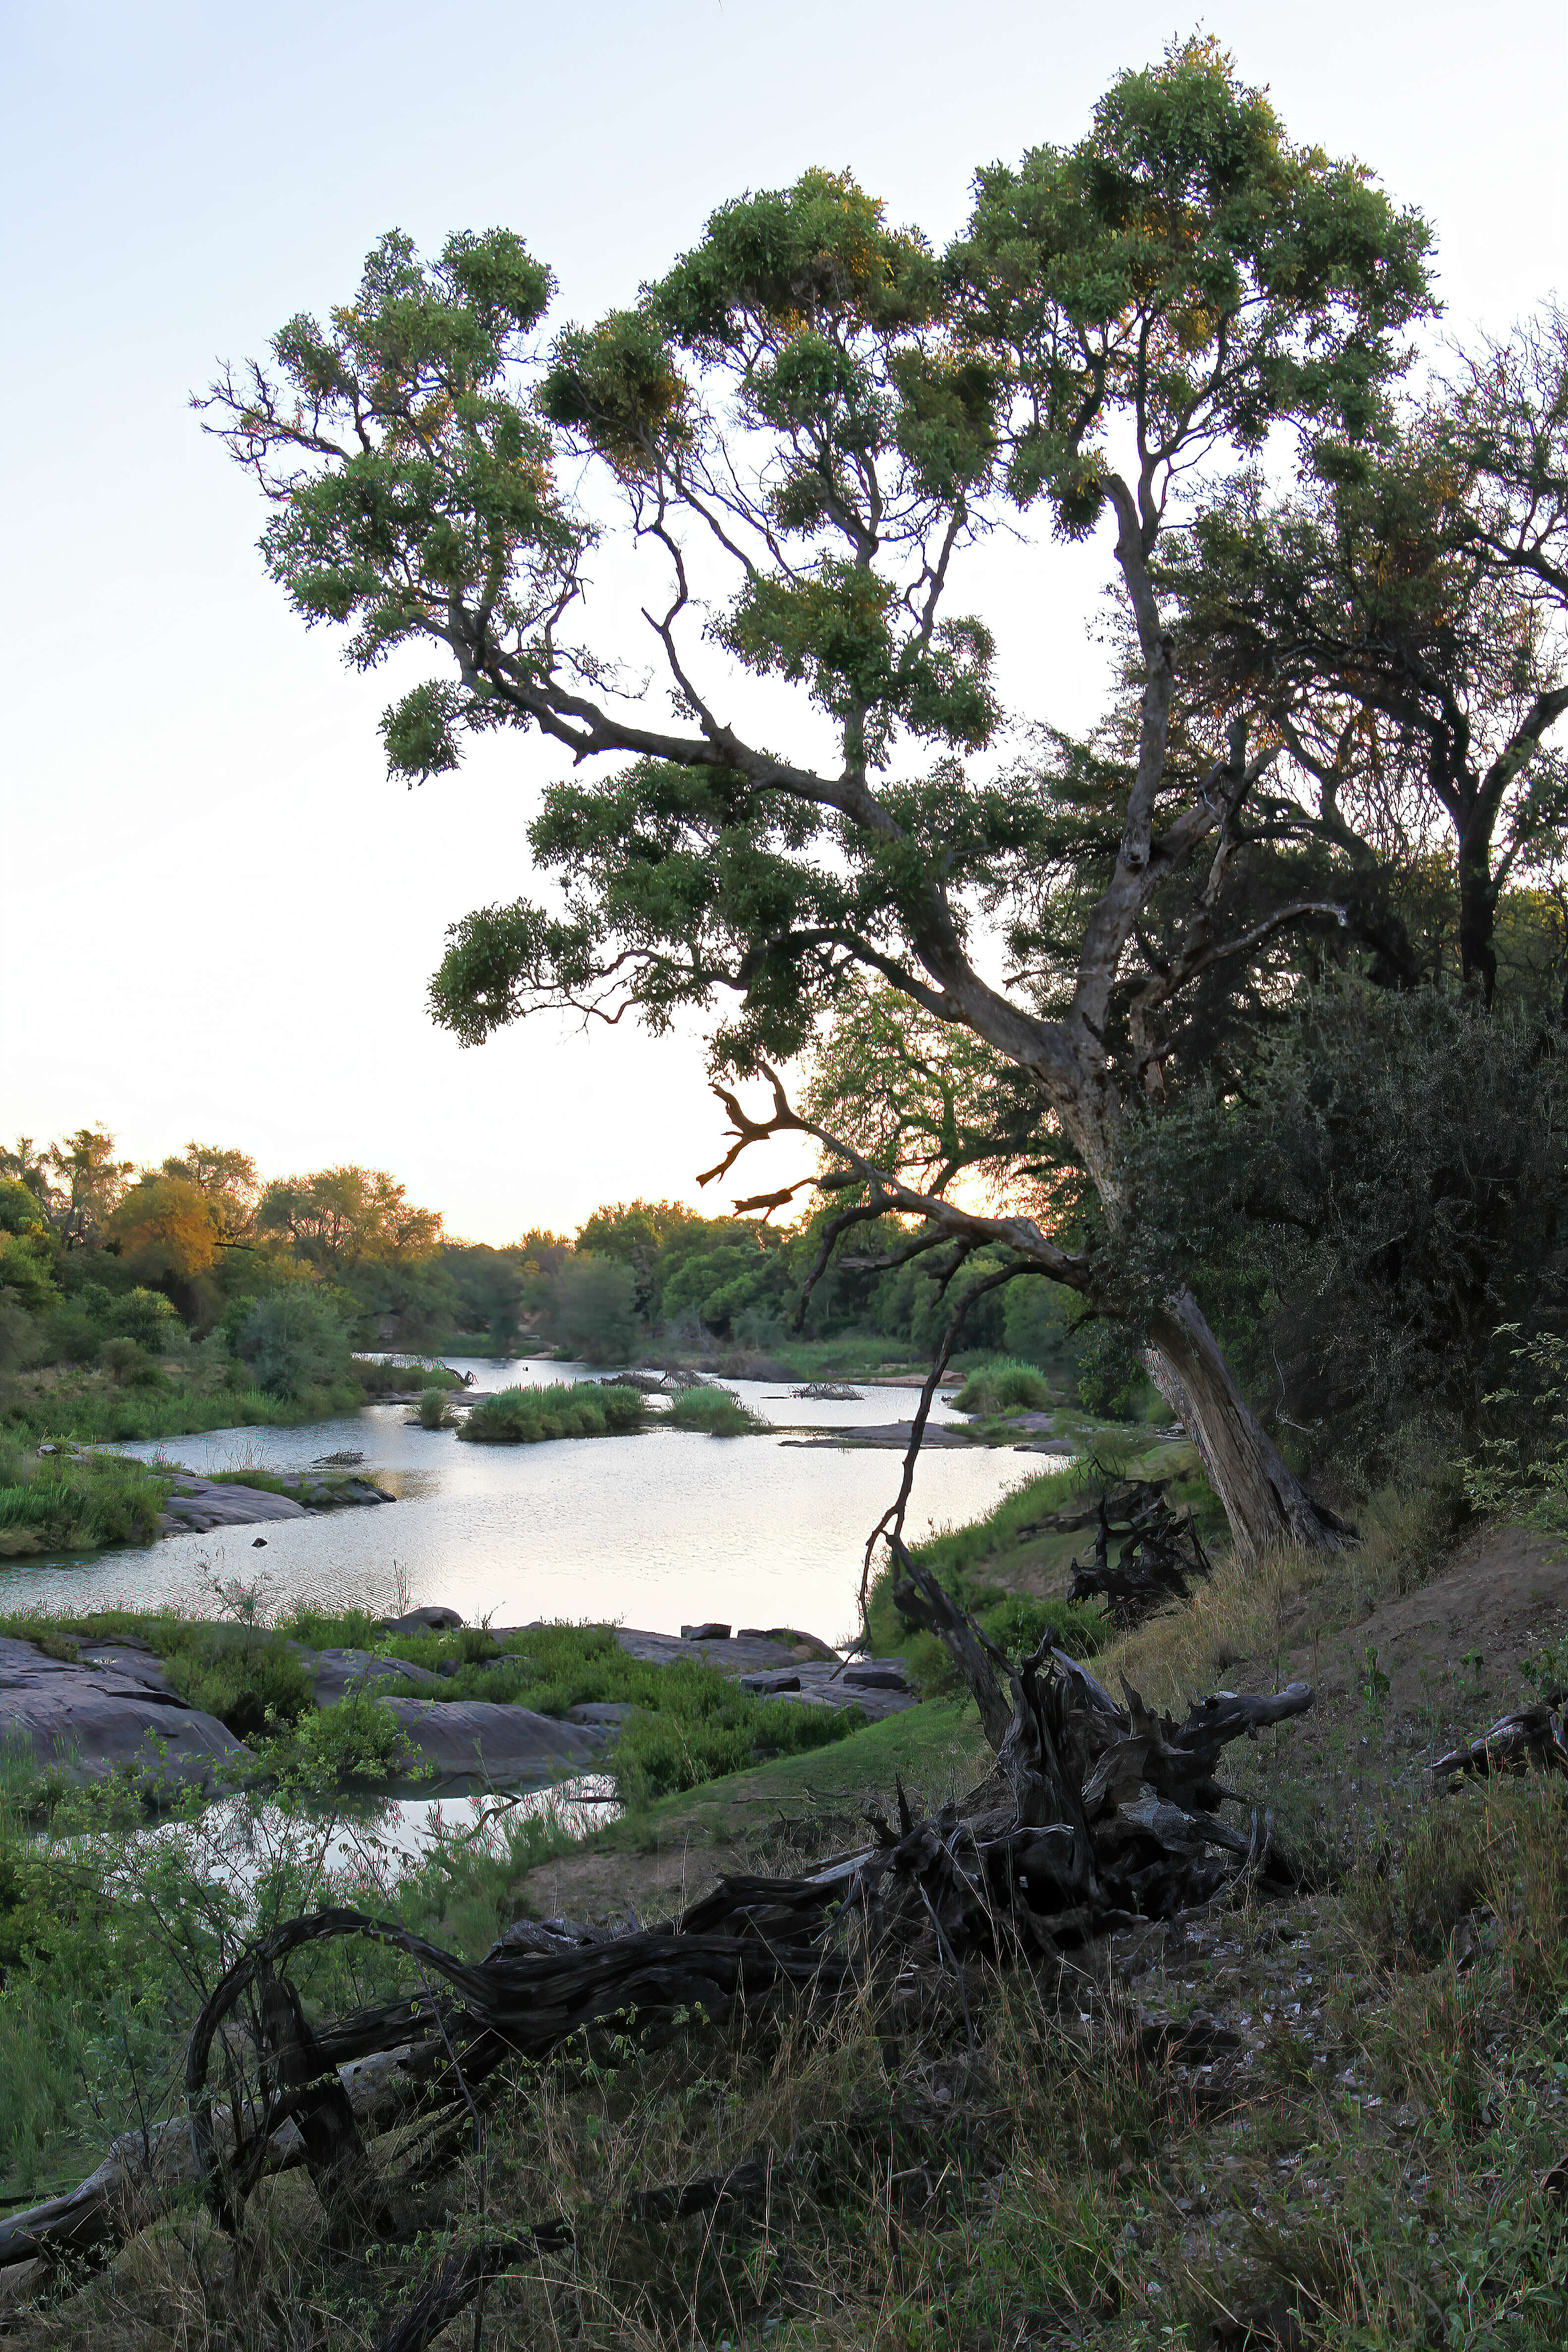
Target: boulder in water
(423, 1621)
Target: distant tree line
(305, 1269)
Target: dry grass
(1256, 1610)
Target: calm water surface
(655, 1530)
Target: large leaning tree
(800, 432)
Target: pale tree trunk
(1264, 1502)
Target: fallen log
(144, 2168)
(1532, 1735)
(1100, 1815)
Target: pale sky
(219, 917)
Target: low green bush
(1003, 1386)
(357, 1739)
(149, 1318)
(525, 1416)
(122, 1358)
(69, 1336)
(713, 1732)
(252, 1680)
(718, 1410)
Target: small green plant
(1547, 1668)
(357, 1739)
(1374, 1683)
(434, 1411)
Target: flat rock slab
(878, 1686)
(131, 1659)
(891, 1435)
(741, 1653)
(482, 1739)
(199, 1505)
(93, 1719)
(336, 1673)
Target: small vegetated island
(524, 1416)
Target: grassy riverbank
(61, 1502)
(85, 1405)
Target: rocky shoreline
(196, 1505)
(110, 1708)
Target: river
(656, 1529)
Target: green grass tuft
(718, 1410)
(1004, 1386)
(527, 1416)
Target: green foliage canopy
(819, 401)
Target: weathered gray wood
(1534, 1735)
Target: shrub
(150, 1319)
(718, 1410)
(69, 1336)
(294, 1342)
(1004, 1386)
(525, 1416)
(251, 1680)
(357, 1739)
(131, 1364)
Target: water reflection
(652, 1529)
(354, 1847)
